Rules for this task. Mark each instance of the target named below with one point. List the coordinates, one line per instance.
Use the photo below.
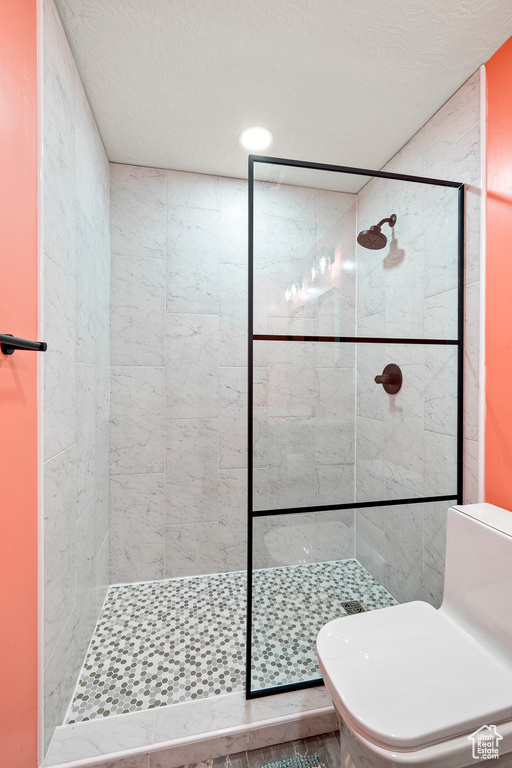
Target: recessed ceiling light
(256, 137)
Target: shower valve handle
(390, 378)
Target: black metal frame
(459, 342)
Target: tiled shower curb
(193, 731)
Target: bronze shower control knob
(390, 378)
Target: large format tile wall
(406, 445)
(76, 371)
(178, 456)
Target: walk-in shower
(355, 399)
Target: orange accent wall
(498, 335)
(18, 425)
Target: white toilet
(412, 684)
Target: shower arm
(391, 221)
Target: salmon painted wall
(498, 336)
(18, 427)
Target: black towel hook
(9, 344)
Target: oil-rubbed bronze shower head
(373, 238)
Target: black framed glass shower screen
(327, 445)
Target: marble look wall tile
(470, 472)
(191, 470)
(290, 539)
(370, 402)
(292, 247)
(232, 418)
(59, 677)
(191, 549)
(472, 205)
(334, 484)
(85, 551)
(292, 202)
(461, 161)
(334, 442)
(137, 211)
(137, 336)
(441, 390)
(232, 518)
(60, 375)
(370, 545)
(334, 535)
(441, 316)
(433, 586)
(234, 222)
(137, 420)
(137, 515)
(193, 247)
(102, 365)
(102, 471)
(85, 436)
(335, 394)
(440, 464)
(86, 318)
(290, 474)
(138, 311)
(291, 379)
(410, 158)
(454, 119)
(138, 761)
(192, 367)
(298, 729)
(404, 270)
(441, 240)
(193, 190)
(471, 361)
(434, 534)
(233, 315)
(59, 516)
(102, 573)
(403, 567)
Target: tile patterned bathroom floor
(166, 642)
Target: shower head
(373, 238)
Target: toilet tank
(478, 575)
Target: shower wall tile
(433, 586)
(193, 190)
(233, 305)
(403, 567)
(232, 418)
(370, 544)
(138, 311)
(192, 366)
(290, 539)
(291, 471)
(59, 527)
(60, 360)
(193, 245)
(191, 549)
(470, 475)
(137, 519)
(191, 470)
(137, 433)
(441, 319)
(441, 390)
(233, 222)
(137, 211)
(434, 535)
(59, 677)
(334, 535)
(85, 436)
(454, 119)
(232, 529)
(471, 361)
(334, 484)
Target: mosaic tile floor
(167, 642)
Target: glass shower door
(343, 475)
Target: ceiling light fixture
(256, 137)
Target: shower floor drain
(353, 606)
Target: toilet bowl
(417, 686)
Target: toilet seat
(437, 683)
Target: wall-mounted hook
(9, 344)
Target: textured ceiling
(172, 83)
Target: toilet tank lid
(488, 514)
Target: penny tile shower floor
(166, 642)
